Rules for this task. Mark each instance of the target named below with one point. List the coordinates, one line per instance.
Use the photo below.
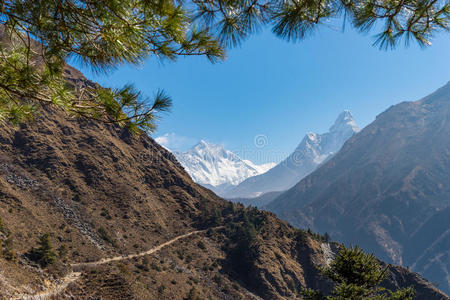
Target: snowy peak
(319, 146)
(261, 168)
(313, 150)
(212, 165)
(312, 137)
(208, 151)
(204, 146)
(345, 122)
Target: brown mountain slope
(388, 189)
(103, 193)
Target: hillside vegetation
(77, 191)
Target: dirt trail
(73, 276)
(54, 290)
(123, 257)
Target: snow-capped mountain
(388, 189)
(313, 150)
(215, 167)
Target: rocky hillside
(388, 189)
(127, 222)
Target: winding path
(54, 290)
(73, 276)
(123, 257)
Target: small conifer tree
(357, 276)
(44, 255)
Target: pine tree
(193, 294)
(44, 255)
(357, 276)
(37, 38)
(8, 251)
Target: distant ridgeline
(74, 192)
(216, 168)
(387, 189)
(231, 177)
(312, 151)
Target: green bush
(155, 267)
(105, 214)
(44, 255)
(123, 268)
(62, 251)
(188, 259)
(201, 245)
(3, 228)
(357, 276)
(244, 254)
(106, 237)
(193, 294)
(161, 289)
(7, 249)
(6, 245)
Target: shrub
(106, 237)
(6, 246)
(326, 237)
(142, 267)
(357, 276)
(105, 214)
(62, 251)
(161, 289)
(193, 294)
(218, 279)
(155, 267)
(3, 228)
(7, 249)
(44, 255)
(180, 254)
(201, 245)
(123, 268)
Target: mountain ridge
(216, 168)
(312, 151)
(100, 192)
(386, 188)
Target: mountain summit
(213, 166)
(344, 122)
(313, 150)
(90, 211)
(388, 189)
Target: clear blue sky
(283, 90)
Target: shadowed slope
(101, 192)
(387, 189)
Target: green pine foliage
(3, 228)
(6, 243)
(242, 228)
(245, 252)
(317, 236)
(357, 276)
(44, 254)
(7, 249)
(37, 38)
(106, 237)
(193, 294)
